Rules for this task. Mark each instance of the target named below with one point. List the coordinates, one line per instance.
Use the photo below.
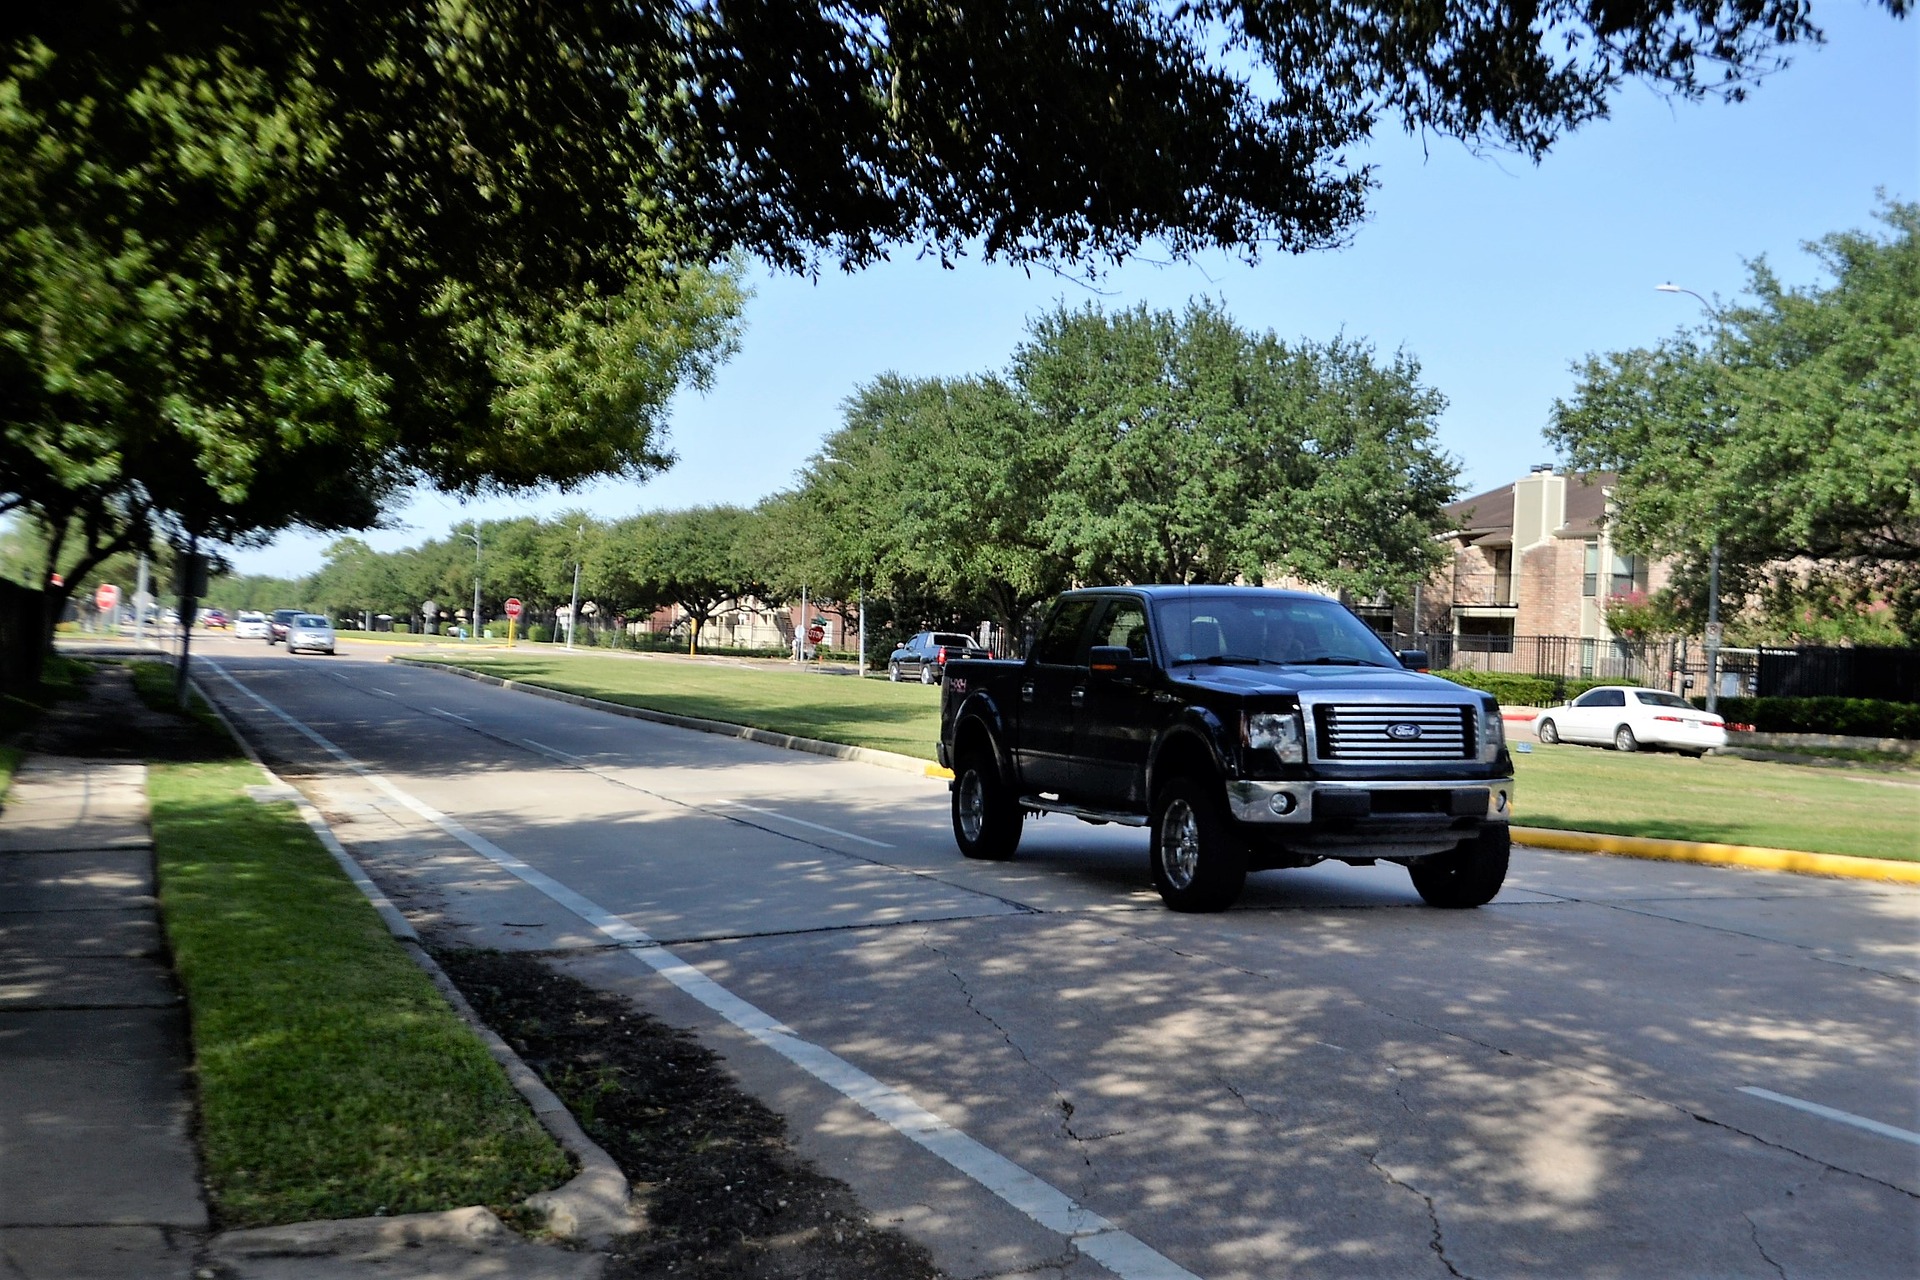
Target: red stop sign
(106, 596)
(816, 634)
(513, 607)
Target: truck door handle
(1026, 693)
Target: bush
(1853, 717)
(402, 628)
(1515, 690)
(537, 633)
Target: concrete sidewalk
(99, 1175)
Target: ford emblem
(1403, 731)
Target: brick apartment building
(1531, 569)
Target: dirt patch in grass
(726, 1198)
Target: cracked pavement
(1330, 1080)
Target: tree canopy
(1787, 427)
(1137, 446)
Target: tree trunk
(189, 574)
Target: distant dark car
(925, 656)
(277, 624)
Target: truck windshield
(1281, 630)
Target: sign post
(513, 617)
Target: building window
(1629, 575)
(1590, 576)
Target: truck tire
(929, 674)
(1199, 864)
(893, 672)
(986, 813)
(1470, 876)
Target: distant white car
(250, 625)
(309, 631)
(1628, 718)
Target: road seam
(789, 741)
(1796, 861)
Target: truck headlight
(1492, 738)
(1276, 731)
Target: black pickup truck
(1250, 728)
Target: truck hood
(1321, 682)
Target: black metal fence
(1807, 671)
(1818, 672)
(1661, 664)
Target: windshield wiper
(1329, 660)
(1222, 660)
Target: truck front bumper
(1307, 803)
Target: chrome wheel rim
(1180, 844)
(970, 804)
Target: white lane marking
(556, 752)
(455, 715)
(385, 693)
(800, 822)
(1831, 1113)
(1120, 1252)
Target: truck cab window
(1059, 642)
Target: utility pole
(861, 668)
(1713, 628)
(473, 630)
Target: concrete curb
(596, 1204)
(1794, 860)
(791, 742)
(1732, 855)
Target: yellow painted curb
(936, 771)
(1736, 855)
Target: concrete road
(1617, 1069)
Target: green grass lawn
(335, 1082)
(1719, 798)
(862, 713)
(1722, 799)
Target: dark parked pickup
(924, 657)
(1249, 728)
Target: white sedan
(1628, 718)
(250, 625)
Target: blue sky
(1495, 273)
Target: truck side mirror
(1413, 659)
(1111, 661)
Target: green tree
(696, 559)
(1181, 448)
(1787, 428)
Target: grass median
(861, 713)
(1863, 812)
(1858, 811)
(335, 1082)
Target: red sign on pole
(816, 634)
(513, 607)
(105, 597)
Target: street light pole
(473, 619)
(573, 610)
(1713, 560)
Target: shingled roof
(1491, 513)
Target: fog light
(1500, 801)
(1281, 803)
